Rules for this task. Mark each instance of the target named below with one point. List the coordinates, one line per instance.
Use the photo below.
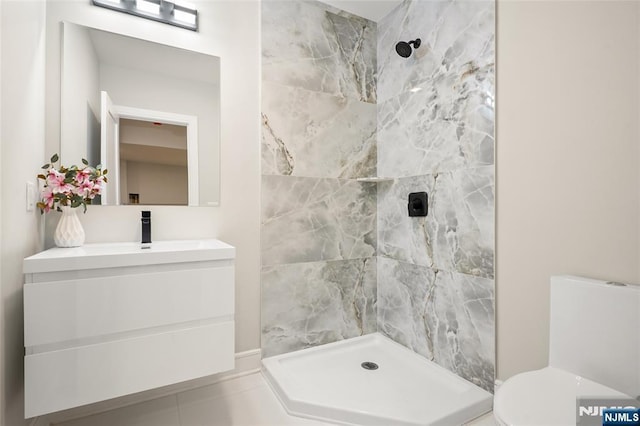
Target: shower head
(403, 48)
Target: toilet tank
(595, 331)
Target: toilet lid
(545, 397)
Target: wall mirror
(148, 112)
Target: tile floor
(243, 401)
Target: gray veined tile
(458, 232)
(401, 237)
(436, 108)
(311, 219)
(317, 47)
(314, 134)
(462, 225)
(461, 324)
(446, 126)
(444, 316)
(326, 302)
(453, 34)
(406, 22)
(356, 39)
(292, 31)
(403, 290)
(413, 137)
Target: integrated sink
(111, 255)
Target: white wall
(143, 133)
(230, 30)
(567, 159)
(80, 93)
(22, 153)
(143, 179)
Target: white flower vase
(69, 232)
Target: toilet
(594, 351)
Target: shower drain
(368, 365)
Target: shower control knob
(418, 204)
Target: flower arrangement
(70, 186)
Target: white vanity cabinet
(106, 320)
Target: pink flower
(85, 188)
(97, 185)
(83, 176)
(55, 181)
(47, 199)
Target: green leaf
(105, 171)
(85, 162)
(99, 166)
(43, 177)
(46, 166)
(55, 158)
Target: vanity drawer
(82, 375)
(67, 310)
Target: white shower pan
(329, 383)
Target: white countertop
(111, 255)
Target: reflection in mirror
(153, 152)
(147, 112)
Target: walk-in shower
(350, 280)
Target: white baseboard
(247, 362)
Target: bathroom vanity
(106, 320)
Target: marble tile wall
(316, 134)
(323, 302)
(313, 46)
(457, 234)
(457, 38)
(319, 118)
(435, 282)
(445, 316)
(317, 219)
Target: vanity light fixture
(168, 12)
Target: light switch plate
(31, 196)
